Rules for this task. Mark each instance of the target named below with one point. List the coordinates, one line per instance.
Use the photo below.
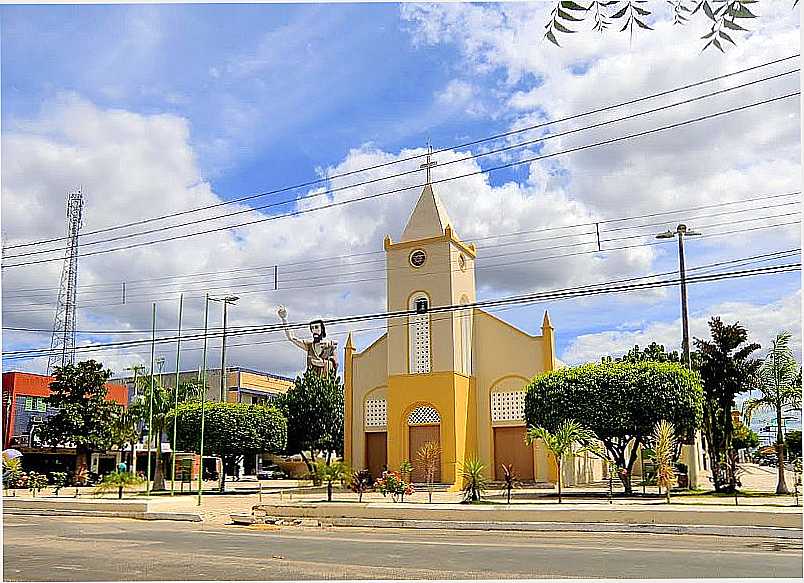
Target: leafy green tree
(779, 381)
(792, 443)
(84, 417)
(724, 17)
(570, 437)
(743, 437)
(619, 402)
(653, 352)
(313, 408)
(230, 430)
(726, 369)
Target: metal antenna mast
(62, 343)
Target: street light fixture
(682, 231)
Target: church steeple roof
(428, 219)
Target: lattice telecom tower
(62, 343)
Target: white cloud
(763, 322)
(134, 166)
(750, 153)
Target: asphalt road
(89, 549)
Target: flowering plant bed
(393, 484)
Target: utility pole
(176, 401)
(681, 232)
(226, 301)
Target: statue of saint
(320, 352)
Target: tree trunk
(223, 474)
(329, 491)
(307, 462)
(781, 485)
(81, 459)
(120, 492)
(159, 478)
(558, 465)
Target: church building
(456, 378)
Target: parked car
(271, 472)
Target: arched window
(419, 335)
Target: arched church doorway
(424, 424)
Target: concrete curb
(740, 531)
(553, 514)
(177, 516)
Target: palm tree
(664, 445)
(560, 443)
(779, 381)
(162, 406)
(329, 473)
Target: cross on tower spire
(429, 164)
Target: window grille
(508, 406)
(419, 330)
(424, 415)
(376, 413)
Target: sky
(154, 109)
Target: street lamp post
(176, 401)
(682, 232)
(203, 378)
(151, 401)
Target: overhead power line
(513, 300)
(300, 212)
(418, 156)
(332, 259)
(341, 282)
(763, 257)
(597, 236)
(313, 281)
(406, 172)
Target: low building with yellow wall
(455, 377)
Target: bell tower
(430, 267)
(431, 386)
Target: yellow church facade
(453, 377)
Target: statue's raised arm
(282, 312)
